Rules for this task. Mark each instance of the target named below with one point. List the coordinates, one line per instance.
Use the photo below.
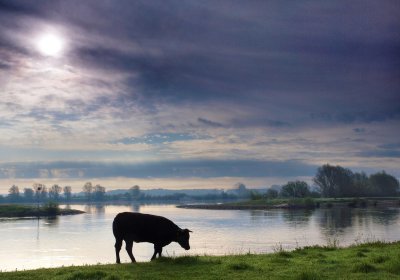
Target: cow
(136, 227)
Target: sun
(50, 44)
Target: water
(88, 238)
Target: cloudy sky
(168, 93)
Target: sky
(196, 93)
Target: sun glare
(50, 45)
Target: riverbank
(366, 261)
(298, 203)
(48, 210)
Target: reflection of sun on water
(50, 45)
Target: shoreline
(25, 211)
(297, 204)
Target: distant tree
(295, 189)
(383, 184)
(99, 192)
(241, 190)
(334, 181)
(39, 188)
(29, 194)
(67, 193)
(88, 189)
(134, 192)
(254, 195)
(44, 194)
(361, 186)
(54, 192)
(271, 193)
(13, 193)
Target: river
(88, 239)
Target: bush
(51, 208)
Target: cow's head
(183, 238)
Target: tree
(361, 186)
(67, 193)
(39, 189)
(271, 193)
(295, 189)
(54, 192)
(383, 184)
(44, 193)
(29, 194)
(134, 192)
(13, 193)
(88, 189)
(99, 192)
(241, 190)
(334, 181)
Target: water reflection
(51, 221)
(88, 238)
(135, 207)
(385, 216)
(98, 208)
(333, 220)
(299, 217)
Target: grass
(378, 261)
(48, 209)
(316, 202)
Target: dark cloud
(380, 153)
(263, 122)
(389, 150)
(19, 8)
(268, 65)
(311, 56)
(170, 169)
(210, 123)
(359, 130)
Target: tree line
(329, 181)
(92, 193)
(336, 181)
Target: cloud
(359, 130)
(186, 168)
(389, 150)
(156, 138)
(210, 80)
(210, 123)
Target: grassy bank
(367, 261)
(300, 203)
(50, 209)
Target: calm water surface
(88, 238)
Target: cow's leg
(157, 250)
(128, 247)
(160, 252)
(118, 245)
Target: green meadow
(375, 260)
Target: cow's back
(142, 227)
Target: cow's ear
(188, 230)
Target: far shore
(22, 211)
(298, 203)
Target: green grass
(19, 210)
(315, 202)
(378, 261)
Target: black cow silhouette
(137, 227)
